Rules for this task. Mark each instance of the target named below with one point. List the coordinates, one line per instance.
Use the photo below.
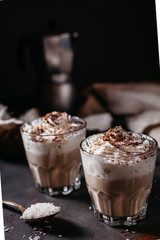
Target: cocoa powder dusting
(118, 135)
(133, 235)
(121, 139)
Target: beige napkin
(147, 122)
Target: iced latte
(119, 169)
(52, 148)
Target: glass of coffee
(119, 170)
(52, 144)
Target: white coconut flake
(40, 210)
(34, 238)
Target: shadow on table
(62, 227)
(80, 195)
(17, 160)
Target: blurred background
(53, 48)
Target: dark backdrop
(117, 43)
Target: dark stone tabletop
(76, 219)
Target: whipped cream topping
(53, 123)
(118, 154)
(118, 141)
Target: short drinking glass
(119, 183)
(54, 159)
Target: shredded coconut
(40, 210)
(34, 238)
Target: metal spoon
(22, 209)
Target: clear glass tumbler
(119, 186)
(55, 160)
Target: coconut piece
(153, 131)
(30, 115)
(10, 139)
(124, 98)
(147, 122)
(90, 106)
(3, 112)
(140, 122)
(100, 121)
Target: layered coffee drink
(52, 144)
(119, 170)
